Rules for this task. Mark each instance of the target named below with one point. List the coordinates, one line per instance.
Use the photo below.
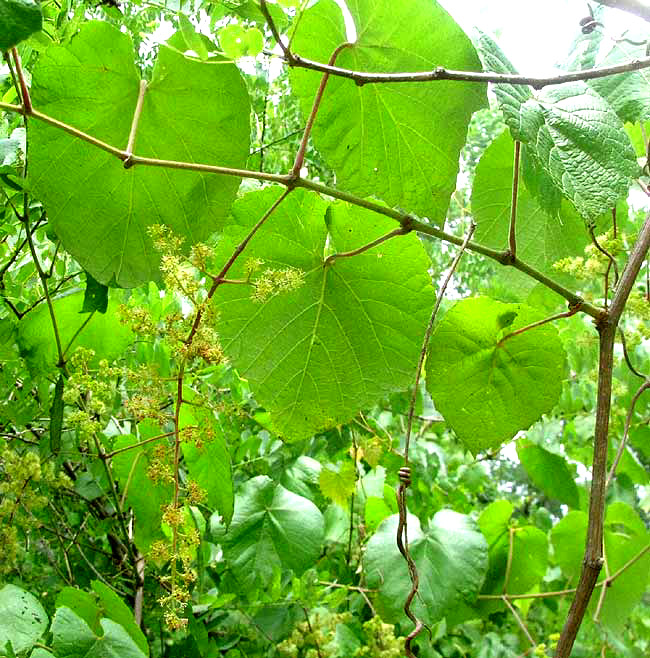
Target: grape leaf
(193, 111)
(572, 134)
(399, 142)
(73, 638)
(22, 619)
(486, 391)
(271, 528)
(451, 557)
(348, 336)
(104, 334)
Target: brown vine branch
(405, 471)
(363, 77)
(512, 238)
(628, 419)
(288, 56)
(593, 560)
(24, 91)
(290, 182)
(300, 155)
(355, 252)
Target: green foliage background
(208, 349)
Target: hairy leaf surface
(572, 134)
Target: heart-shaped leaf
(451, 557)
(193, 111)
(348, 336)
(488, 388)
(272, 528)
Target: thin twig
(519, 620)
(512, 238)
(626, 356)
(134, 123)
(288, 56)
(604, 251)
(88, 318)
(567, 314)
(405, 471)
(108, 455)
(365, 77)
(355, 252)
(511, 546)
(628, 419)
(300, 155)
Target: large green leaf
(348, 336)
(18, 20)
(542, 238)
(399, 142)
(529, 555)
(22, 619)
(143, 495)
(549, 472)
(103, 333)
(485, 390)
(272, 528)
(572, 134)
(73, 638)
(193, 111)
(451, 557)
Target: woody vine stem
(606, 319)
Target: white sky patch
(535, 37)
